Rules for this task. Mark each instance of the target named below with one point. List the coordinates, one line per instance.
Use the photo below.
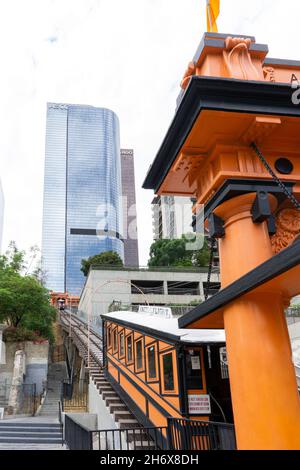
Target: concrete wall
(97, 407)
(105, 286)
(36, 363)
(2, 345)
(36, 357)
(87, 420)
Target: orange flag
(212, 13)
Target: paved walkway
(31, 447)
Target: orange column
(264, 393)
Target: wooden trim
(142, 369)
(151, 345)
(122, 332)
(203, 93)
(115, 332)
(127, 361)
(138, 382)
(175, 374)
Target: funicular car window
(168, 372)
(139, 354)
(121, 344)
(151, 357)
(129, 356)
(115, 340)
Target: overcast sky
(128, 56)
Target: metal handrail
(60, 412)
(187, 434)
(79, 437)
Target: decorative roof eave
(219, 94)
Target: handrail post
(34, 400)
(169, 434)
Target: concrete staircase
(121, 413)
(56, 375)
(22, 432)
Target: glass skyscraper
(82, 192)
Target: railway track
(88, 342)
(123, 416)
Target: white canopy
(168, 325)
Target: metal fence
(77, 437)
(137, 438)
(180, 434)
(18, 399)
(58, 353)
(184, 434)
(75, 395)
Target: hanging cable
(278, 181)
(211, 258)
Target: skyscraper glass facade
(82, 188)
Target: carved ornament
(288, 229)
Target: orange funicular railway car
(162, 372)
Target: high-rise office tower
(82, 192)
(171, 216)
(131, 253)
(1, 214)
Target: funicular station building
(233, 146)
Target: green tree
(24, 303)
(13, 259)
(201, 257)
(107, 258)
(181, 252)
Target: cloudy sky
(125, 55)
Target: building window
(108, 336)
(129, 355)
(121, 344)
(115, 341)
(168, 372)
(193, 369)
(151, 362)
(224, 363)
(183, 288)
(139, 354)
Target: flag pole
(209, 16)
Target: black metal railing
(18, 399)
(77, 437)
(60, 420)
(137, 438)
(58, 353)
(180, 434)
(184, 434)
(183, 291)
(75, 395)
(157, 290)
